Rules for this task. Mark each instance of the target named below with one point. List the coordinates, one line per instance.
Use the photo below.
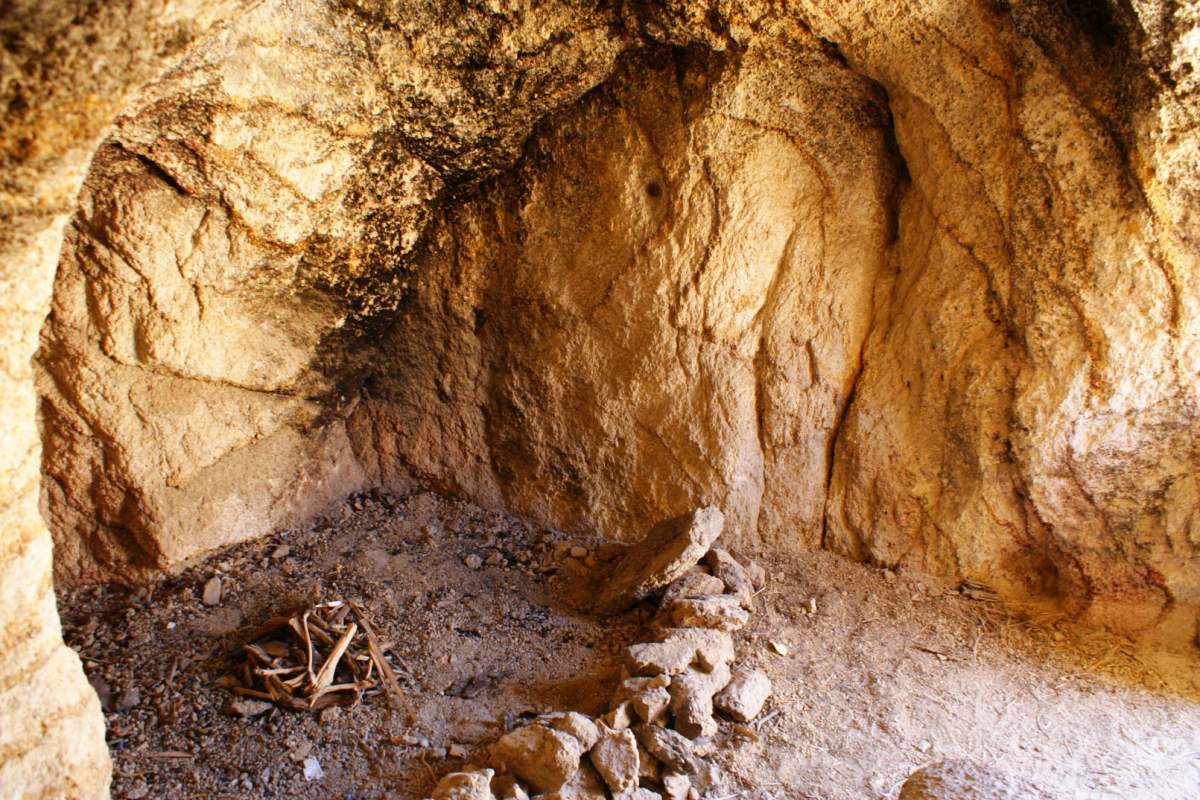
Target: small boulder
(692, 584)
(692, 700)
(615, 757)
(578, 725)
(743, 698)
(541, 756)
(620, 717)
(678, 649)
(473, 785)
(721, 612)
(732, 574)
(648, 697)
(667, 746)
(667, 552)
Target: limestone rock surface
(914, 282)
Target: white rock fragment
(212, 591)
(312, 769)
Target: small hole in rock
(654, 189)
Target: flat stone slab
(668, 551)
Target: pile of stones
(664, 714)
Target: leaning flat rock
(668, 551)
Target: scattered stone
(671, 547)
(720, 612)
(578, 725)
(283, 551)
(330, 715)
(103, 691)
(615, 757)
(667, 746)
(579, 552)
(743, 698)
(138, 791)
(456, 750)
(472, 785)
(541, 756)
(473, 561)
(810, 605)
(212, 591)
(961, 779)
(758, 575)
(693, 584)
(692, 700)
(312, 769)
(679, 649)
(779, 647)
(246, 707)
(732, 574)
(129, 699)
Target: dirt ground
(889, 672)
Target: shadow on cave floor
(889, 672)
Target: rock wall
(248, 213)
(65, 70)
(665, 303)
(912, 281)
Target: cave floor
(890, 672)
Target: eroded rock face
(914, 282)
(254, 208)
(925, 304)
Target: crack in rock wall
(915, 282)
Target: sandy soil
(889, 673)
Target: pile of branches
(323, 656)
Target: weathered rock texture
(914, 281)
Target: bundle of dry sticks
(326, 655)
